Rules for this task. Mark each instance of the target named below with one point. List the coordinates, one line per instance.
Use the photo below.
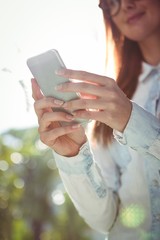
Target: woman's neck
(151, 50)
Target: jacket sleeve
(142, 132)
(96, 202)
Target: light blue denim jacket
(117, 190)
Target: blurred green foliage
(33, 201)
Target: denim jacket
(117, 189)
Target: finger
(46, 104)
(86, 96)
(96, 104)
(51, 117)
(97, 115)
(36, 92)
(84, 88)
(84, 76)
(94, 115)
(50, 137)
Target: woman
(114, 182)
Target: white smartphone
(43, 67)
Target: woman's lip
(134, 18)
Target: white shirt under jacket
(117, 190)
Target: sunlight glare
(58, 197)
(133, 216)
(31, 27)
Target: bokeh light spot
(16, 158)
(19, 183)
(58, 197)
(4, 165)
(40, 145)
(51, 164)
(132, 216)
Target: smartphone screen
(43, 67)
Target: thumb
(36, 92)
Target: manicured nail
(58, 87)
(58, 102)
(76, 126)
(74, 113)
(69, 117)
(60, 71)
(65, 105)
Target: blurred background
(33, 201)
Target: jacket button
(156, 183)
(158, 217)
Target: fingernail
(60, 71)
(76, 126)
(58, 102)
(32, 80)
(74, 113)
(69, 117)
(58, 87)
(65, 105)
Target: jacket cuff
(142, 132)
(78, 164)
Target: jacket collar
(146, 70)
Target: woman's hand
(65, 140)
(101, 98)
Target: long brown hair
(128, 59)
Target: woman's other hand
(101, 98)
(65, 140)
